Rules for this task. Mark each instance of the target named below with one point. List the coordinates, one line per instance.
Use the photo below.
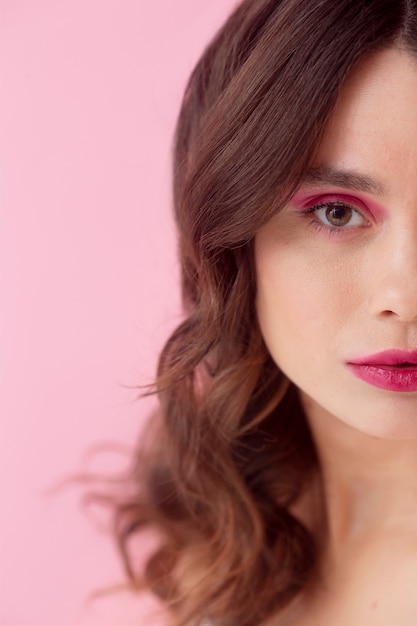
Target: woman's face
(337, 269)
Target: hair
(231, 449)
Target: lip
(392, 370)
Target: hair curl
(232, 451)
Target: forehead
(373, 127)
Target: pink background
(89, 93)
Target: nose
(393, 278)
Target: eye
(338, 215)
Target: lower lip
(385, 377)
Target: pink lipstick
(392, 370)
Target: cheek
(290, 295)
(286, 304)
(301, 302)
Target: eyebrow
(326, 175)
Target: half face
(337, 268)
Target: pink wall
(89, 91)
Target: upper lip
(388, 357)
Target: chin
(389, 418)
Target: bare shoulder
(375, 586)
(383, 581)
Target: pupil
(338, 215)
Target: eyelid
(313, 205)
(351, 201)
(371, 213)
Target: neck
(368, 485)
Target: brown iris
(338, 215)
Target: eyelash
(327, 228)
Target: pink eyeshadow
(303, 198)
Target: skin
(326, 297)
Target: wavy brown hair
(231, 450)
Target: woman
(282, 479)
